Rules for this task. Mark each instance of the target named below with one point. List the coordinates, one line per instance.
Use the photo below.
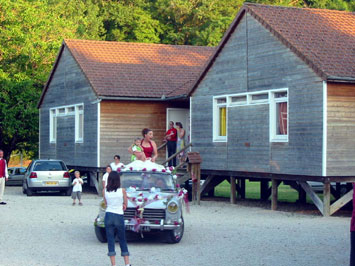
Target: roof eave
(340, 79)
(153, 99)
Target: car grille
(148, 214)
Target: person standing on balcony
(4, 176)
(180, 141)
(171, 139)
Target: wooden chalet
(100, 95)
(277, 102)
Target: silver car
(16, 175)
(154, 206)
(47, 175)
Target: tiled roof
(325, 38)
(122, 69)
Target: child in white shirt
(104, 178)
(77, 188)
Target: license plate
(52, 183)
(141, 228)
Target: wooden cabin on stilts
(276, 103)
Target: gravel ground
(46, 230)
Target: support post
(198, 176)
(302, 195)
(100, 175)
(242, 188)
(275, 185)
(326, 198)
(233, 190)
(264, 186)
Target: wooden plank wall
(254, 60)
(341, 129)
(123, 121)
(69, 86)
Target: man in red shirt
(3, 176)
(171, 138)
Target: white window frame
(53, 124)
(78, 112)
(216, 121)
(68, 111)
(273, 120)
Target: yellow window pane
(223, 121)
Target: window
(52, 126)
(279, 116)
(79, 123)
(238, 100)
(63, 111)
(70, 110)
(49, 166)
(220, 119)
(259, 98)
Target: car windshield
(145, 181)
(49, 166)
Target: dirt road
(47, 230)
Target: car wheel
(100, 233)
(29, 192)
(23, 189)
(174, 236)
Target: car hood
(146, 199)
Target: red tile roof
(323, 39)
(126, 69)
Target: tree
(195, 22)
(31, 34)
(18, 128)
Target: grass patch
(252, 191)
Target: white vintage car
(154, 202)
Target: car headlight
(173, 207)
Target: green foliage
(33, 30)
(18, 129)
(195, 22)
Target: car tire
(23, 189)
(29, 192)
(175, 236)
(100, 233)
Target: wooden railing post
(198, 176)
(194, 169)
(176, 153)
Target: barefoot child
(77, 187)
